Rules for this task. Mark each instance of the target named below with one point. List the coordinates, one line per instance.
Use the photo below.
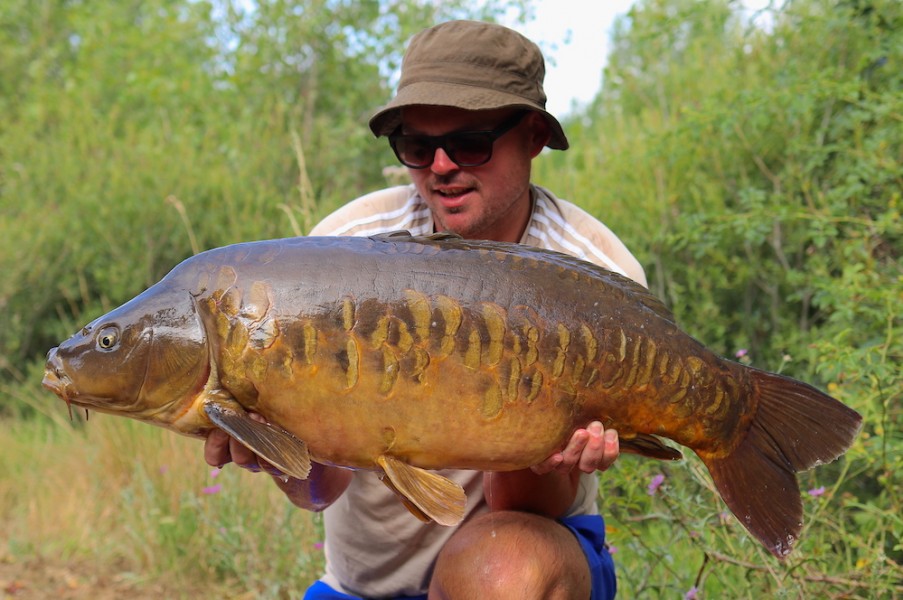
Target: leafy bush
(756, 171)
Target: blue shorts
(321, 591)
(590, 532)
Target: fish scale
(403, 355)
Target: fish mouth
(56, 380)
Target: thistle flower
(655, 484)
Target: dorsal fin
(449, 240)
(442, 236)
(393, 235)
(405, 235)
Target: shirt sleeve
(382, 211)
(562, 226)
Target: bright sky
(574, 36)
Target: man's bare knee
(511, 555)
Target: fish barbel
(405, 355)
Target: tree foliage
(755, 166)
(136, 133)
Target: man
(468, 119)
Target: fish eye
(108, 338)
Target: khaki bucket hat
(474, 66)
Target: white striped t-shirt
(555, 225)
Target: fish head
(147, 359)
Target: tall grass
(140, 501)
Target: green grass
(138, 500)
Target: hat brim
(433, 93)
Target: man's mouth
(453, 192)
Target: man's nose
(442, 163)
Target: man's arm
(550, 487)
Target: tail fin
(796, 427)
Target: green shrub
(757, 174)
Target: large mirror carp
(405, 355)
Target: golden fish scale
(408, 375)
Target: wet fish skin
(401, 354)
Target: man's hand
(318, 491)
(590, 449)
(550, 487)
(220, 448)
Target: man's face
(490, 201)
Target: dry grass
(140, 502)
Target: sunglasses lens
(413, 151)
(469, 149)
(465, 149)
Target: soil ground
(40, 579)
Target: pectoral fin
(429, 497)
(647, 445)
(283, 450)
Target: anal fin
(276, 445)
(412, 508)
(427, 495)
(648, 446)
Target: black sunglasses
(466, 148)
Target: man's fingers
(574, 449)
(591, 449)
(612, 448)
(601, 451)
(548, 465)
(216, 448)
(594, 450)
(242, 456)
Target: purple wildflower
(215, 472)
(816, 492)
(692, 593)
(740, 354)
(655, 484)
(213, 489)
